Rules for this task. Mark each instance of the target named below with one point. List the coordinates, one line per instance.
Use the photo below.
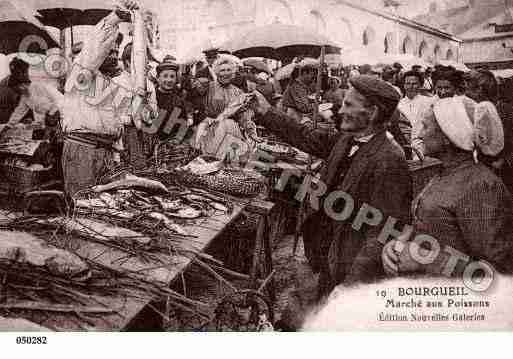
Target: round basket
(279, 155)
(241, 311)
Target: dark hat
(378, 92)
(450, 74)
(167, 64)
(212, 52)
(169, 58)
(397, 65)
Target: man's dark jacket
(377, 175)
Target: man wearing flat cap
(359, 161)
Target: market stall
(119, 251)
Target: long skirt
(220, 139)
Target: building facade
(188, 26)
(486, 28)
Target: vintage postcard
(255, 166)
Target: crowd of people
(381, 118)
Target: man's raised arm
(315, 142)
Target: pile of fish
(139, 199)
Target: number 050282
(31, 340)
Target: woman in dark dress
(466, 209)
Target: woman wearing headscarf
(219, 125)
(466, 207)
(482, 87)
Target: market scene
(225, 165)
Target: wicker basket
(230, 181)
(23, 179)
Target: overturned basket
(230, 181)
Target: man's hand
(260, 104)
(407, 264)
(498, 164)
(123, 9)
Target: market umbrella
(62, 14)
(279, 41)
(65, 13)
(16, 25)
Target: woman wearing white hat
(466, 207)
(221, 126)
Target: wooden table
(205, 230)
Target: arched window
(449, 55)
(437, 52)
(423, 49)
(389, 43)
(407, 46)
(368, 36)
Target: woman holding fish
(227, 115)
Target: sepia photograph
(255, 166)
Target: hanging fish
(138, 68)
